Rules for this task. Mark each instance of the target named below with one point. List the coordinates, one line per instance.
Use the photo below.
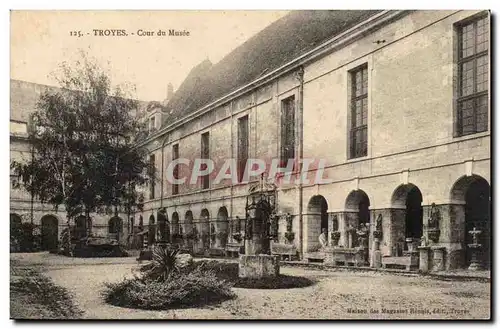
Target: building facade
(395, 104)
(47, 221)
(391, 107)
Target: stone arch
(115, 225)
(50, 232)
(81, 226)
(400, 195)
(222, 219)
(317, 220)
(151, 230)
(205, 221)
(163, 228)
(358, 203)
(460, 187)
(471, 202)
(204, 229)
(15, 231)
(222, 226)
(188, 222)
(407, 223)
(175, 223)
(15, 220)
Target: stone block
(258, 266)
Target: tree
(83, 140)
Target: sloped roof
(23, 98)
(279, 43)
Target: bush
(197, 287)
(163, 264)
(35, 296)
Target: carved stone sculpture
(433, 224)
(378, 227)
(335, 223)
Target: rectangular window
(473, 82)
(152, 170)
(242, 146)
(287, 130)
(358, 134)
(205, 154)
(18, 128)
(175, 156)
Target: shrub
(196, 287)
(163, 264)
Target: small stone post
(474, 246)
(377, 254)
(438, 259)
(424, 259)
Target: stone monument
(433, 226)
(257, 262)
(323, 240)
(474, 246)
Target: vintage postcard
(294, 164)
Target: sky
(42, 40)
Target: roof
(274, 46)
(24, 96)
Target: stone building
(395, 104)
(25, 209)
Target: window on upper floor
(205, 154)
(242, 146)
(358, 130)
(152, 172)
(473, 76)
(175, 156)
(287, 149)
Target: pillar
(376, 258)
(424, 259)
(438, 258)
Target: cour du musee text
(140, 33)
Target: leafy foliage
(82, 137)
(163, 264)
(196, 287)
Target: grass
(34, 296)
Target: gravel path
(336, 295)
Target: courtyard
(336, 294)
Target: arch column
(470, 204)
(317, 212)
(50, 232)
(222, 228)
(204, 230)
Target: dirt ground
(339, 294)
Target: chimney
(170, 92)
